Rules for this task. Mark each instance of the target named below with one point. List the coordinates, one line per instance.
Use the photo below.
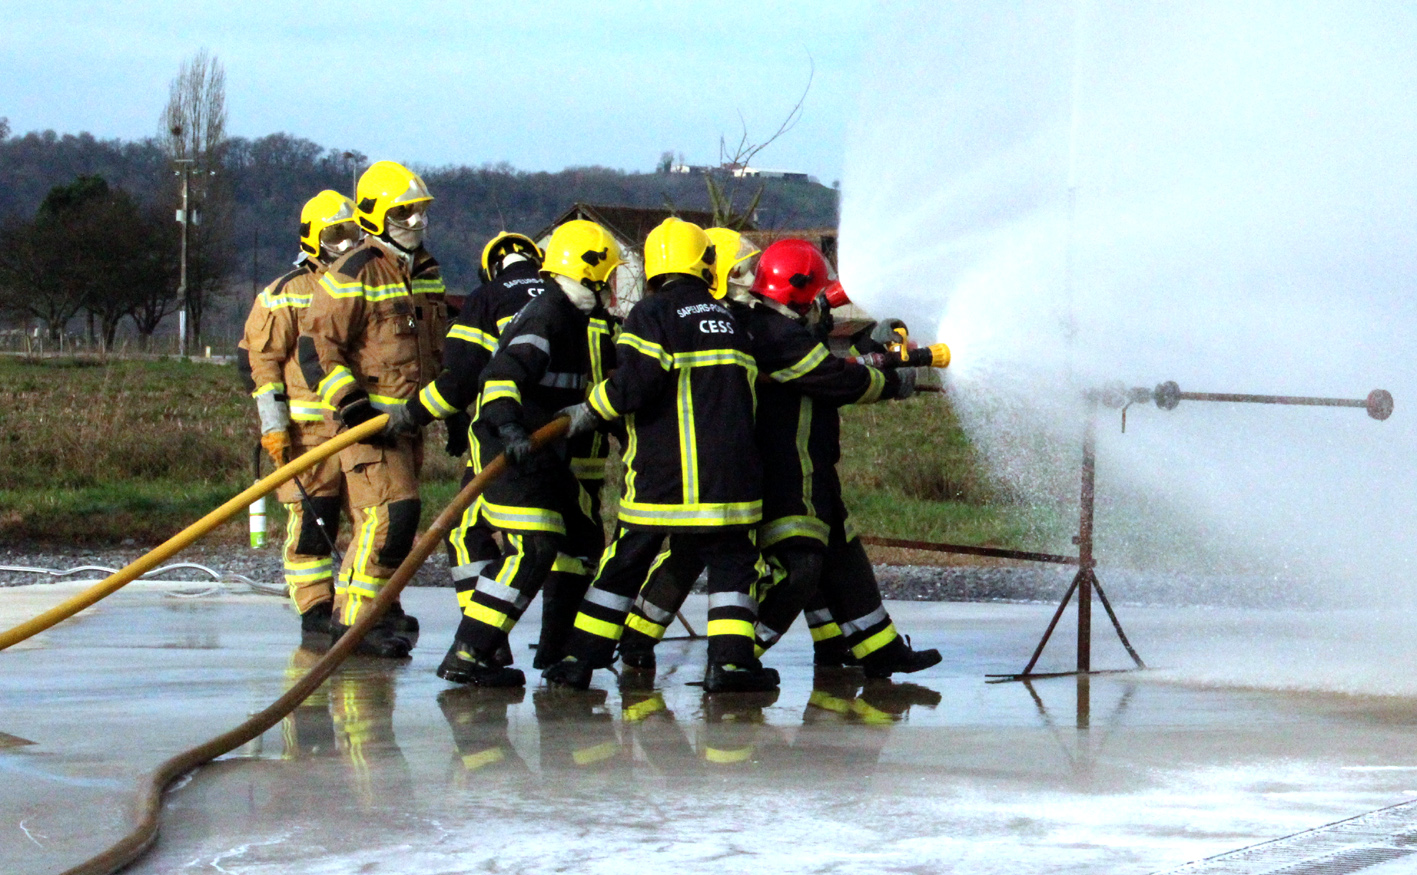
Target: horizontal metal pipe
(1273, 399)
(992, 552)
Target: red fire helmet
(792, 272)
(836, 295)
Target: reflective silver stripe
(609, 600)
(732, 600)
(766, 635)
(502, 591)
(563, 380)
(818, 618)
(468, 571)
(654, 612)
(861, 624)
(535, 340)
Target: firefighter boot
(404, 624)
(898, 657)
(316, 621)
(637, 650)
(570, 672)
(723, 677)
(381, 641)
(833, 653)
(463, 665)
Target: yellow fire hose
(184, 538)
(149, 803)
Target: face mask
(408, 234)
(335, 250)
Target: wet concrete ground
(388, 769)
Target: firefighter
(541, 367)
(510, 274)
(684, 384)
(293, 418)
(815, 562)
(372, 337)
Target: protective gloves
(516, 444)
(583, 418)
(457, 424)
(276, 443)
(401, 422)
(357, 411)
(884, 332)
(907, 382)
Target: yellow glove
(276, 444)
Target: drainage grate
(1342, 848)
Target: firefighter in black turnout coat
(540, 367)
(685, 387)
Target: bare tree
(194, 137)
(736, 158)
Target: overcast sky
(542, 85)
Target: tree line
(87, 224)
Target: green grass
(98, 453)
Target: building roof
(630, 224)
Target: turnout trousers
(309, 561)
(733, 564)
(382, 484)
(548, 537)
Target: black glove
(357, 410)
(516, 445)
(458, 424)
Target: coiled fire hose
(149, 803)
(180, 541)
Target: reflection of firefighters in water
(477, 717)
(577, 732)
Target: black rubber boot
(897, 698)
(897, 656)
(833, 653)
(463, 666)
(404, 624)
(382, 641)
(748, 678)
(316, 621)
(569, 672)
(637, 650)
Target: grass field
(99, 453)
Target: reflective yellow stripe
(269, 389)
(587, 756)
(386, 292)
(688, 439)
(828, 702)
(599, 400)
(724, 514)
(386, 401)
(641, 710)
(730, 627)
(337, 289)
(495, 389)
(875, 642)
(502, 323)
(595, 330)
(569, 564)
(825, 631)
(645, 347)
(599, 628)
(874, 716)
(804, 453)
(309, 411)
(530, 519)
(873, 391)
(428, 286)
(588, 469)
(435, 403)
(792, 527)
(473, 335)
(338, 379)
(284, 299)
(809, 361)
(707, 357)
(632, 447)
(484, 614)
(644, 627)
(474, 761)
(725, 757)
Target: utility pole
(353, 160)
(184, 216)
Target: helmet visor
(409, 215)
(340, 235)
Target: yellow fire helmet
(504, 243)
(582, 251)
(320, 212)
(677, 246)
(732, 253)
(385, 185)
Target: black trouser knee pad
(403, 527)
(310, 542)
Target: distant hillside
(272, 176)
